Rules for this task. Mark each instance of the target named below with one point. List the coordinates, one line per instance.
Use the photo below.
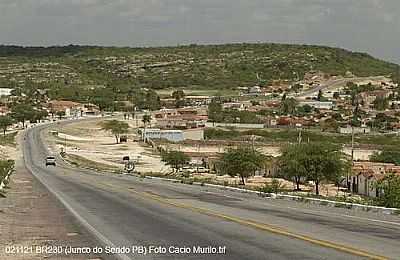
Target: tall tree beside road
(389, 191)
(322, 162)
(117, 128)
(316, 162)
(175, 159)
(290, 164)
(242, 162)
(146, 119)
(5, 122)
(60, 114)
(320, 95)
(39, 115)
(22, 113)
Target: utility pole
(65, 144)
(300, 136)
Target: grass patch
(314, 135)
(83, 162)
(8, 139)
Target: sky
(371, 26)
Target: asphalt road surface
(126, 211)
(334, 84)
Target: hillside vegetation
(194, 66)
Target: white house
(170, 135)
(318, 104)
(5, 91)
(357, 130)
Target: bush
(274, 187)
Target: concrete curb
(315, 201)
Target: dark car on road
(50, 160)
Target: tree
(22, 112)
(146, 119)
(288, 106)
(175, 159)
(381, 103)
(215, 111)
(117, 128)
(386, 157)
(5, 122)
(178, 94)
(320, 95)
(389, 191)
(290, 167)
(39, 115)
(329, 124)
(60, 114)
(242, 162)
(322, 162)
(336, 95)
(315, 162)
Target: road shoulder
(31, 216)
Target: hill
(194, 66)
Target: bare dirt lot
(87, 140)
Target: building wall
(245, 126)
(5, 91)
(357, 130)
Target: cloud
(367, 25)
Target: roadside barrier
(314, 201)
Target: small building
(70, 108)
(318, 104)
(367, 174)
(5, 91)
(357, 130)
(4, 110)
(170, 135)
(198, 100)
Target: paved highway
(128, 211)
(334, 84)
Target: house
(4, 110)
(70, 108)
(183, 118)
(367, 174)
(370, 96)
(357, 130)
(5, 91)
(255, 90)
(318, 104)
(170, 135)
(198, 100)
